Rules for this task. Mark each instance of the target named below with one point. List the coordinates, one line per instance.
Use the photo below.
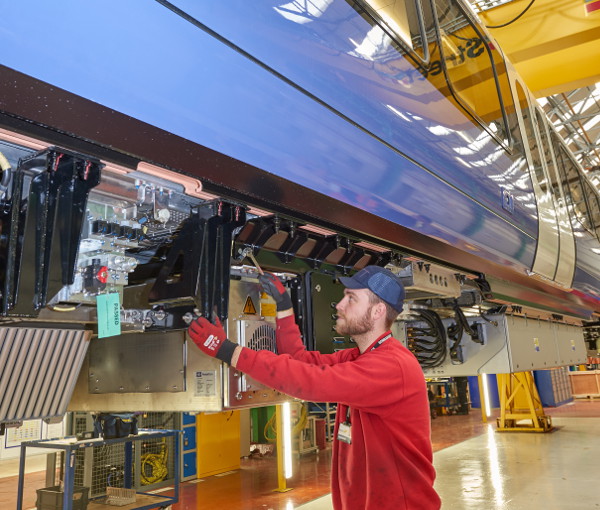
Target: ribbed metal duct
(38, 371)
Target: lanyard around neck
(381, 340)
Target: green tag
(108, 309)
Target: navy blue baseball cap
(379, 280)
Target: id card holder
(345, 433)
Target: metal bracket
(288, 242)
(195, 271)
(48, 196)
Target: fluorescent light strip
(287, 440)
(486, 395)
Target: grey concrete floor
(519, 471)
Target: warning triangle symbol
(249, 308)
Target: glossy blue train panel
(295, 101)
(317, 95)
(346, 62)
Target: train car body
(321, 136)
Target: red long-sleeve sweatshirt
(388, 465)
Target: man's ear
(378, 311)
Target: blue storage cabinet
(493, 395)
(188, 447)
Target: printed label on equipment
(108, 310)
(267, 307)
(205, 384)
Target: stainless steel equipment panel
(251, 324)
(203, 386)
(134, 363)
(512, 344)
(571, 350)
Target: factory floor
(477, 467)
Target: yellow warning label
(249, 307)
(267, 306)
(268, 309)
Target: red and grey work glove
(211, 339)
(272, 285)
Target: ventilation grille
(260, 338)
(39, 368)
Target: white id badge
(345, 433)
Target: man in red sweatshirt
(382, 457)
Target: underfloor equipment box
(508, 344)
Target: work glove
(272, 285)
(211, 339)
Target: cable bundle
(154, 466)
(455, 332)
(428, 343)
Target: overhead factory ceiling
(555, 47)
(576, 115)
